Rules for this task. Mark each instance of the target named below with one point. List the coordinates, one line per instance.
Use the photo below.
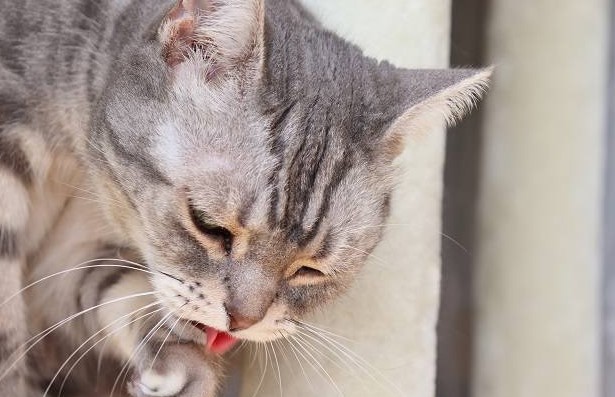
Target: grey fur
(283, 134)
(8, 244)
(14, 159)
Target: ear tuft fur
(455, 102)
(223, 32)
(437, 99)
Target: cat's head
(249, 156)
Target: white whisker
(283, 351)
(335, 362)
(277, 364)
(322, 330)
(301, 342)
(360, 362)
(106, 339)
(448, 237)
(143, 342)
(262, 379)
(76, 351)
(292, 349)
(256, 348)
(299, 350)
(78, 267)
(49, 330)
(97, 201)
(381, 261)
(164, 341)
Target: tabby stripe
(14, 159)
(322, 154)
(281, 117)
(294, 174)
(274, 199)
(91, 74)
(315, 165)
(9, 247)
(276, 148)
(12, 108)
(93, 10)
(339, 174)
(85, 19)
(292, 180)
(82, 281)
(8, 345)
(386, 205)
(302, 176)
(89, 15)
(130, 13)
(104, 278)
(108, 282)
(326, 246)
(103, 162)
(15, 30)
(243, 215)
(136, 159)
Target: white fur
(154, 384)
(13, 202)
(271, 327)
(233, 27)
(176, 152)
(215, 293)
(168, 150)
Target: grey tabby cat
(237, 149)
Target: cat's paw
(179, 370)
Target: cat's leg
(14, 212)
(138, 333)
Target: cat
(178, 175)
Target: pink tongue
(219, 342)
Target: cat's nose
(239, 321)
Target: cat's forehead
(209, 130)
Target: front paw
(179, 370)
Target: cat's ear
(226, 33)
(428, 99)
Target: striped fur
(239, 151)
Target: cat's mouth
(218, 342)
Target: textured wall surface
(540, 229)
(390, 314)
(609, 251)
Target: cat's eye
(212, 230)
(308, 272)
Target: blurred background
(528, 303)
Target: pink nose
(239, 322)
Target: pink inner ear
(184, 9)
(179, 40)
(189, 5)
(179, 35)
(194, 6)
(188, 10)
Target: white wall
(538, 297)
(391, 313)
